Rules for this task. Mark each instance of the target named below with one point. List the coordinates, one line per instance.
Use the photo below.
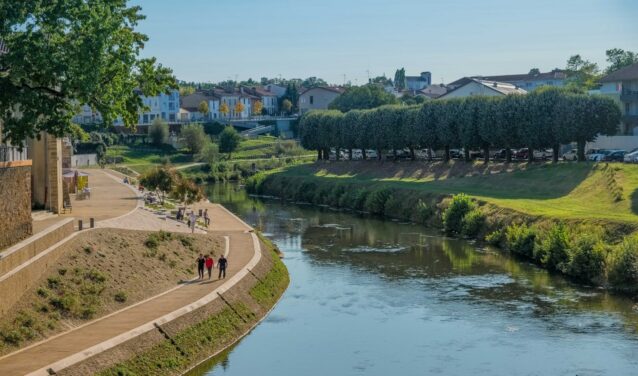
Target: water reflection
(379, 297)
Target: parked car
(456, 154)
(631, 157)
(500, 154)
(615, 156)
(538, 154)
(571, 155)
(371, 154)
(357, 154)
(597, 155)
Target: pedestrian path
(73, 346)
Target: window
(627, 108)
(312, 99)
(145, 120)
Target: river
(377, 297)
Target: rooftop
(629, 72)
(553, 75)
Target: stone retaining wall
(15, 204)
(15, 282)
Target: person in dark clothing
(209, 265)
(201, 261)
(222, 263)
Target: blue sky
(213, 40)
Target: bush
(460, 205)
(588, 259)
(152, 242)
(520, 239)
(120, 296)
(554, 248)
(158, 132)
(422, 212)
(394, 206)
(375, 202)
(472, 223)
(623, 273)
(495, 238)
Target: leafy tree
(509, 117)
(488, 128)
(185, 190)
(400, 82)
(76, 133)
(67, 52)
(286, 105)
(308, 132)
(447, 126)
(581, 73)
(209, 154)
(223, 109)
(258, 107)
(468, 124)
(239, 108)
(427, 124)
(213, 128)
(383, 80)
(410, 132)
(185, 90)
(534, 71)
(158, 132)
(349, 131)
(362, 97)
(161, 179)
(619, 58)
(312, 82)
(229, 140)
(194, 137)
(203, 109)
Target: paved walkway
(71, 344)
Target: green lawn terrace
(579, 191)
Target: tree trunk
(394, 155)
(508, 155)
(412, 155)
(555, 151)
(350, 154)
(530, 155)
(378, 154)
(319, 156)
(337, 154)
(486, 154)
(466, 154)
(581, 151)
(430, 154)
(326, 154)
(446, 153)
(363, 154)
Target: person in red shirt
(209, 265)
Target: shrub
(394, 206)
(12, 337)
(554, 248)
(472, 223)
(495, 238)
(152, 242)
(186, 242)
(120, 296)
(53, 282)
(460, 205)
(375, 202)
(588, 259)
(624, 265)
(422, 212)
(520, 239)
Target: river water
(376, 297)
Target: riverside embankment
(576, 219)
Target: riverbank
(202, 337)
(537, 211)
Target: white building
(420, 82)
(468, 87)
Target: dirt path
(71, 346)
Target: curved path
(84, 341)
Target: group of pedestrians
(192, 218)
(208, 263)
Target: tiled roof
(501, 87)
(334, 89)
(553, 75)
(629, 72)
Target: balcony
(9, 153)
(629, 96)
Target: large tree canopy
(64, 53)
(361, 98)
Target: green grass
(142, 159)
(564, 190)
(270, 288)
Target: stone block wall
(15, 204)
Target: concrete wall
(627, 143)
(15, 203)
(15, 282)
(321, 98)
(46, 182)
(83, 160)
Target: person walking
(222, 263)
(201, 261)
(192, 220)
(209, 265)
(206, 218)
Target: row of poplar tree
(543, 119)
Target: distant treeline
(543, 119)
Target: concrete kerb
(151, 325)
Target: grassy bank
(95, 278)
(215, 333)
(576, 219)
